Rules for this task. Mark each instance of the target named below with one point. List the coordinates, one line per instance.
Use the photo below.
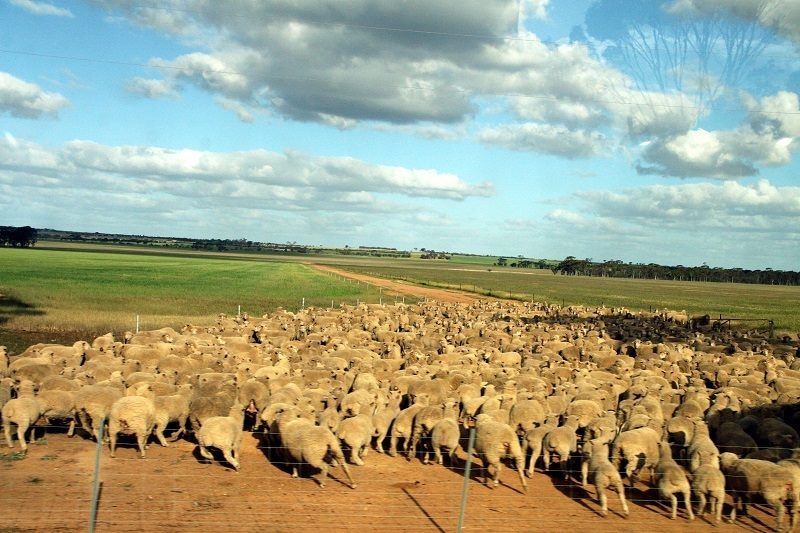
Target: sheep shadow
(218, 458)
(276, 458)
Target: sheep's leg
(603, 499)
(621, 492)
(7, 431)
(21, 429)
(112, 443)
(674, 505)
(181, 430)
(535, 452)
(393, 445)
(141, 440)
(584, 473)
(716, 506)
(349, 477)
(71, 430)
(160, 436)
(519, 462)
(701, 505)
(228, 454)
(496, 478)
(687, 501)
(205, 453)
(354, 456)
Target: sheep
(305, 442)
(23, 412)
(384, 415)
(445, 435)
(223, 433)
(636, 449)
(561, 441)
(424, 420)
(494, 441)
(404, 423)
(701, 449)
(731, 437)
(595, 462)
(708, 485)
(356, 433)
(172, 408)
(533, 441)
(59, 404)
(93, 406)
(748, 477)
(131, 415)
(670, 478)
(525, 415)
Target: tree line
(21, 237)
(571, 266)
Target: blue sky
(603, 129)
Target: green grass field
(732, 300)
(80, 291)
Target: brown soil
(172, 490)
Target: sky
(660, 131)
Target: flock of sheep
(595, 395)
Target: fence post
(466, 479)
(96, 481)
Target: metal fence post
(96, 481)
(466, 479)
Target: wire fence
(51, 488)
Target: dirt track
(400, 288)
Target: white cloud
(251, 177)
(754, 225)
(23, 99)
(41, 8)
(545, 139)
(149, 88)
(781, 15)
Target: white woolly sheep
(445, 435)
(708, 486)
(596, 464)
(356, 433)
(670, 478)
(493, 442)
(223, 433)
(636, 449)
(385, 414)
(131, 415)
(532, 441)
(172, 408)
(746, 478)
(58, 404)
(23, 412)
(305, 442)
(93, 406)
(403, 424)
(562, 442)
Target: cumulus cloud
(545, 139)
(749, 222)
(41, 8)
(293, 180)
(23, 99)
(781, 15)
(149, 88)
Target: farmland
(64, 292)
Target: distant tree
(501, 261)
(18, 237)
